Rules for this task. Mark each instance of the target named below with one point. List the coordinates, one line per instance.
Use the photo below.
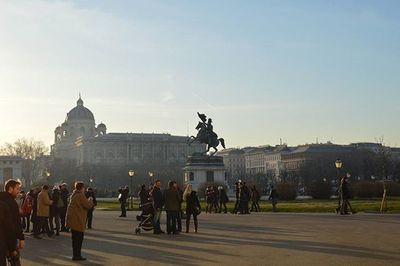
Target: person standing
(345, 195)
(244, 199)
(255, 198)
(158, 203)
(123, 197)
(27, 206)
(20, 200)
(43, 210)
(76, 218)
(64, 193)
(179, 217)
(172, 201)
(223, 199)
(273, 197)
(193, 207)
(35, 221)
(15, 234)
(91, 196)
(215, 199)
(7, 246)
(209, 198)
(237, 193)
(143, 195)
(55, 210)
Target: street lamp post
(131, 174)
(47, 176)
(338, 165)
(151, 174)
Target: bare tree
(31, 151)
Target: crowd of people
(43, 211)
(170, 200)
(53, 210)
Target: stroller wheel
(137, 231)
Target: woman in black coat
(55, 211)
(193, 207)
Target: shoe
(78, 258)
(157, 233)
(37, 237)
(50, 234)
(195, 230)
(58, 233)
(162, 232)
(175, 233)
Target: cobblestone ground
(226, 239)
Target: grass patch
(324, 206)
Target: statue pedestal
(200, 169)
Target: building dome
(80, 112)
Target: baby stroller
(145, 218)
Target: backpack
(27, 206)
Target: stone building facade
(80, 141)
(10, 168)
(235, 163)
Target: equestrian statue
(206, 134)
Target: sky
(262, 70)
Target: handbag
(197, 210)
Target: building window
(210, 176)
(191, 176)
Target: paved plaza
(226, 239)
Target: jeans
(156, 220)
(179, 220)
(255, 206)
(90, 217)
(220, 206)
(123, 209)
(56, 218)
(63, 213)
(188, 214)
(171, 221)
(43, 224)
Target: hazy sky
(263, 70)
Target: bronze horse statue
(206, 135)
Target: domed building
(80, 142)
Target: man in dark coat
(345, 195)
(245, 198)
(11, 190)
(179, 217)
(172, 201)
(237, 194)
(7, 246)
(123, 197)
(64, 194)
(223, 199)
(158, 203)
(215, 199)
(91, 196)
(273, 197)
